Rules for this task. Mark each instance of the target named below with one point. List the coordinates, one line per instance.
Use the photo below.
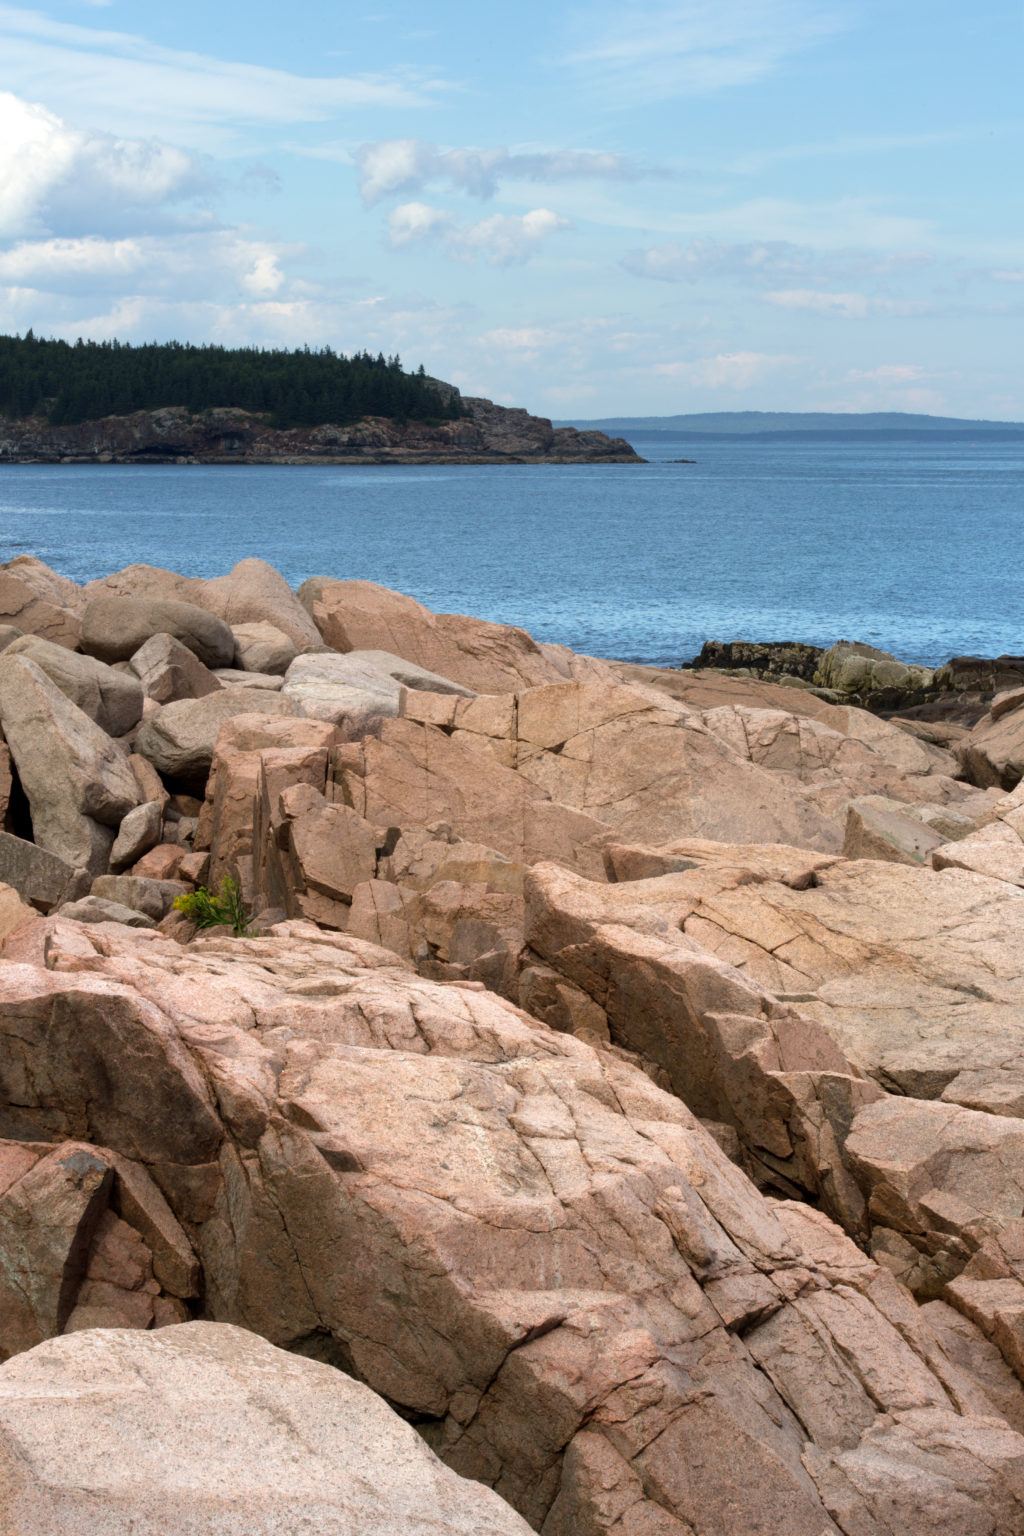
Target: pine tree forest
(67, 382)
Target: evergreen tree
(87, 380)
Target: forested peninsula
(114, 402)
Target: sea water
(913, 547)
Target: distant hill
(801, 424)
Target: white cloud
(503, 240)
(416, 221)
(218, 264)
(54, 178)
(726, 370)
(507, 239)
(134, 86)
(687, 47)
(1009, 276)
(408, 165)
(846, 306)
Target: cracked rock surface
(620, 1074)
(534, 1253)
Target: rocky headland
(489, 434)
(615, 1096)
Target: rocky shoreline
(490, 434)
(615, 1096)
(960, 692)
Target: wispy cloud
(402, 166)
(503, 240)
(693, 47)
(891, 373)
(766, 261)
(132, 85)
(845, 306)
(864, 144)
(890, 386)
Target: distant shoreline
(768, 424)
(815, 435)
(462, 461)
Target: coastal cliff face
(610, 1089)
(492, 434)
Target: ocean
(913, 547)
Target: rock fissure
(430, 1124)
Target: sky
(584, 209)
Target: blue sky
(586, 209)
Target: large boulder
(86, 1240)
(992, 756)
(262, 647)
(42, 878)
(254, 593)
(912, 977)
(98, 909)
(322, 853)
(154, 898)
(980, 676)
(940, 1180)
(13, 911)
(871, 678)
(737, 1054)
(167, 670)
(206, 1427)
(70, 1260)
(914, 974)
(22, 607)
(256, 758)
(79, 783)
(484, 657)
(546, 1261)
(707, 689)
(137, 834)
(147, 581)
(46, 583)
(114, 628)
(879, 828)
(652, 770)
(358, 689)
(180, 740)
(113, 699)
(764, 658)
(993, 846)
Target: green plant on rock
(223, 910)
